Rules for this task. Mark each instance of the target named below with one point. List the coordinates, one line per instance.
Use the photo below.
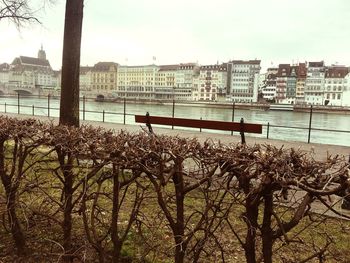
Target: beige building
(136, 82)
(165, 82)
(300, 85)
(212, 83)
(104, 78)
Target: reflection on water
(281, 118)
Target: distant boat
(100, 98)
(282, 107)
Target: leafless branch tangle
(170, 197)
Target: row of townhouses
(234, 81)
(308, 83)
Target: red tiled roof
(337, 72)
(302, 70)
(30, 61)
(284, 70)
(4, 67)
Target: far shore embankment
(243, 106)
(317, 150)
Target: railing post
(18, 107)
(33, 110)
(48, 105)
(233, 114)
(242, 131)
(268, 130)
(5, 107)
(310, 121)
(124, 110)
(148, 124)
(103, 116)
(84, 108)
(172, 127)
(200, 129)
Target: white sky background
(133, 31)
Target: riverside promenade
(318, 151)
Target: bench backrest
(203, 124)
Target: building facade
(335, 85)
(137, 82)
(104, 78)
(314, 85)
(4, 73)
(269, 90)
(244, 81)
(185, 80)
(165, 82)
(211, 84)
(300, 83)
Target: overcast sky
(133, 31)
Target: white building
(346, 91)
(4, 73)
(244, 81)
(334, 85)
(314, 84)
(85, 81)
(184, 80)
(269, 91)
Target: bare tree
(16, 161)
(17, 11)
(261, 173)
(69, 107)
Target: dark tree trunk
(67, 167)
(69, 107)
(267, 235)
(252, 211)
(180, 245)
(115, 212)
(16, 230)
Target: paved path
(319, 151)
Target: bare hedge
(95, 195)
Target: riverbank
(230, 105)
(206, 104)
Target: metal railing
(49, 109)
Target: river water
(114, 113)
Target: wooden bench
(241, 126)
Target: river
(114, 113)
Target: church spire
(42, 53)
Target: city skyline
(133, 32)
